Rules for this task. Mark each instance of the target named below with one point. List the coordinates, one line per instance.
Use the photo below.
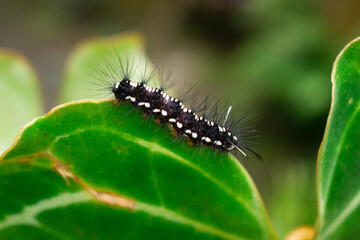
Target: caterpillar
(197, 129)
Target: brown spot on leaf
(111, 199)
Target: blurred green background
(270, 57)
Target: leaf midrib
(348, 210)
(28, 215)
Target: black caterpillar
(183, 120)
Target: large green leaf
(20, 97)
(339, 157)
(94, 170)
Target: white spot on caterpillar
(163, 112)
(188, 131)
(185, 109)
(141, 104)
(156, 110)
(194, 135)
(147, 105)
(172, 99)
(235, 138)
(127, 97)
(132, 99)
(117, 85)
(218, 143)
(207, 140)
(231, 148)
(172, 120)
(179, 125)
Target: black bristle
(208, 124)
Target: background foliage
(271, 57)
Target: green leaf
(122, 179)
(339, 157)
(92, 55)
(20, 97)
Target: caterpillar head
(121, 89)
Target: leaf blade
(337, 180)
(130, 157)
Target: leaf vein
(28, 215)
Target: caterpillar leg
(158, 121)
(117, 101)
(174, 132)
